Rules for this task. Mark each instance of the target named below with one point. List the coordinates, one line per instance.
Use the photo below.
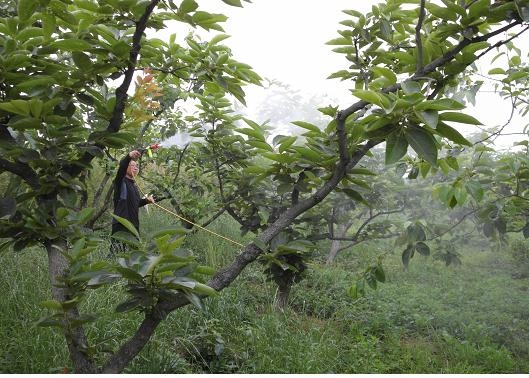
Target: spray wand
(149, 149)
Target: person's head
(132, 169)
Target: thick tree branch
(224, 277)
(418, 40)
(121, 92)
(22, 170)
(130, 349)
(429, 68)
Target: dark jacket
(127, 199)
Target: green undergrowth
(427, 319)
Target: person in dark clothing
(127, 199)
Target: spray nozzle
(150, 148)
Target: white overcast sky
(285, 40)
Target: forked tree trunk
(75, 336)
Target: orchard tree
(59, 113)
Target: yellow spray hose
(188, 221)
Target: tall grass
(427, 319)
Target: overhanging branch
(121, 92)
(22, 170)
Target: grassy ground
(427, 319)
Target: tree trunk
(336, 244)
(75, 336)
(333, 252)
(283, 293)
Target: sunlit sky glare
(284, 40)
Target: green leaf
(252, 133)
(281, 158)
(452, 162)
(129, 305)
(423, 143)
(353, 291)
(396, 147)
(254, 169)
(459, 117)
(233, 3)
(329, 111)
(35, 107)
(429, 117)
(26, 8)
(371, 281)
(52, 304)
(206, 270)
(341, 41)
(218, 38)
(20, 107)
(441, 12)
(353, 194)
(379, 273)
(48, 321)
(84, 215)
(407, 254)
(410, 87)
(452, 134)
(370, 96)
(126, 223)
(422, 248)
(286, 143)
(361, 171)
(71, 44)
(385, 72)
(102, 278)
(195, 299)
(308, 126)
(478, 8)
(40, 81)
(309, 154)
(444, 166)
(475, 190)
(188, 6)
(441, 104)
(200, 288)
(497, 71)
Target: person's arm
(123, 165)
(146, 201)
